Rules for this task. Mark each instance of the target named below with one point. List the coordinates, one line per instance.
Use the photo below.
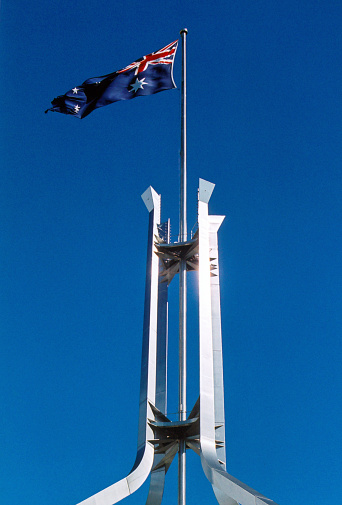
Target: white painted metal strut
(145, 450)
(228, 490)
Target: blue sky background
(264, 124)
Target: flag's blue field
(123, 84)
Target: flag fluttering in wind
(146, 76)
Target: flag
(146, 76)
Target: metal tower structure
(203, 430)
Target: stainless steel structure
(159, 438)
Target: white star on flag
(77, 108)
(138, 85)
(75, 91)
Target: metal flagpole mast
(182, 283)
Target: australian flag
(148, 75)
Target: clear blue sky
(265, 125)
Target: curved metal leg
(228, 490)
(222, 498)
(157, 481)
(145, 451)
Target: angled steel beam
(228, 490)
(145, 451)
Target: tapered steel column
(182, 284)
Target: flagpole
(182, 283)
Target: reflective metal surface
(182, 281)
(203, 431)
(228, 490)
(145, 451)
(159, 469)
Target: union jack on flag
(164, 56)
(146, 76)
